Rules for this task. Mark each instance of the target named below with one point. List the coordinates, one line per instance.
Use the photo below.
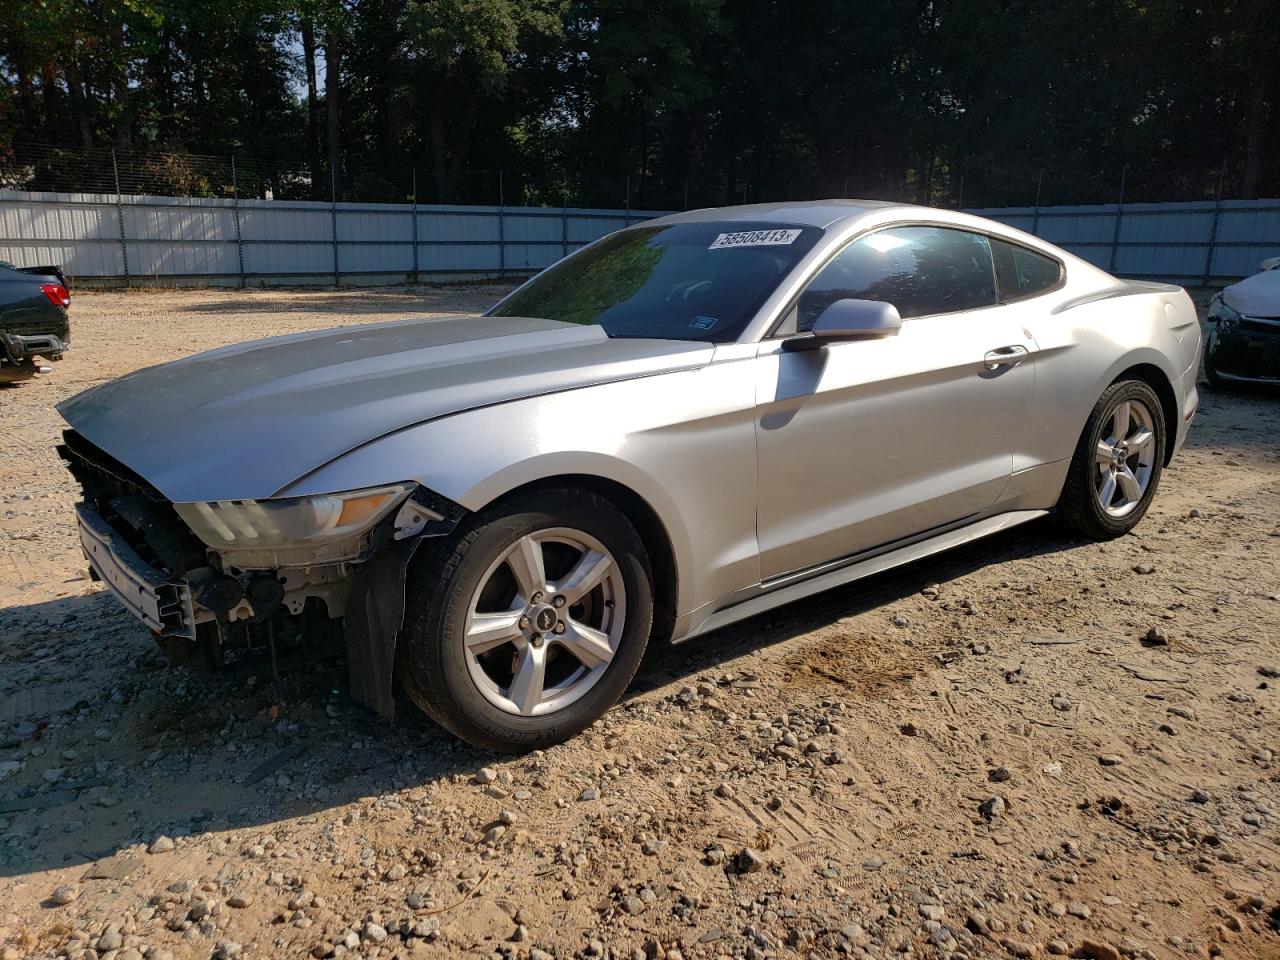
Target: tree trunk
(1263, 92)
(461, 128)
(166, 123)
(1255, 126)
(313, 104)
(50, 94)
(79, 102)
(439, 155)
(332, 96)
(120, 89)
(28, 113)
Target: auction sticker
(755, 238)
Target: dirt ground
(977, 755)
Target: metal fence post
(1213, 229)
(1035, 221)
(333, 224)
(124, 244)
(414, 232)
(502, 230)
(1115, 236)
(564, 231)
(235, 212)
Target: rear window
(685, 281)
(1022, 273)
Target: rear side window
(1022, 273)
(920, 270)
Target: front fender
(683, 442)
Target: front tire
(1117, 464)
(1214, 378)
(528, 623)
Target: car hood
(1256, 296)
(245, 421)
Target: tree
(662, 103)
(458, 54)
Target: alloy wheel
(545, 622)
(1125, 458)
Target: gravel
(815, 782)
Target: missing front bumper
(1248, 352)
(164, 605)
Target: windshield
(686, 281)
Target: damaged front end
(215, 577)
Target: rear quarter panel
(1086, 341)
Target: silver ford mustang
(684, 424)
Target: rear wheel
(1117, 464)
(529, 623)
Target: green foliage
(613, 275)
(667, 103)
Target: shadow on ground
(145, 749)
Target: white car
(1244, 340)
(684, 424)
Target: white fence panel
(169, 239)
(1193, 243)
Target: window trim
(772, 333)
(1057, 284)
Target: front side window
(920, 270)
(1023, 273)
(685, 281)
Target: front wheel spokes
(1120, 422)
(591, 568)
(1107, 493)
(491, 630)
(1130, 488)
(530, 675)
(528, 566)
(588, 645)
(1141, 439)
(545, 621)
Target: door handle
(1009, 356)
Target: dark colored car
(34, 327)
(1244, 339)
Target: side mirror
(849, 320)
(1269, 264)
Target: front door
(863, 443)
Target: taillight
(58, 295)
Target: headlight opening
(301, 528)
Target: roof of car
(812, 213)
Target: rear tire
(1116, 467)
(476, 655)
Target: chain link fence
(106, 170)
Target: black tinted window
(1021, 272)
(686, 281)
(920, 270)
